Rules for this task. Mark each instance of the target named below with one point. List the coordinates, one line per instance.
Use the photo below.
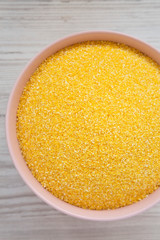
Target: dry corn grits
(88, 125)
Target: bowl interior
(14, 146)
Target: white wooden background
(25, 28)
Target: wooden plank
(26, 27)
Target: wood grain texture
(25, 28)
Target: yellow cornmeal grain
(88, 125)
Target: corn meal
(88, 125)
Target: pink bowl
(102, 215)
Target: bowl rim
(34, 185)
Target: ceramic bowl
(99, 215)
